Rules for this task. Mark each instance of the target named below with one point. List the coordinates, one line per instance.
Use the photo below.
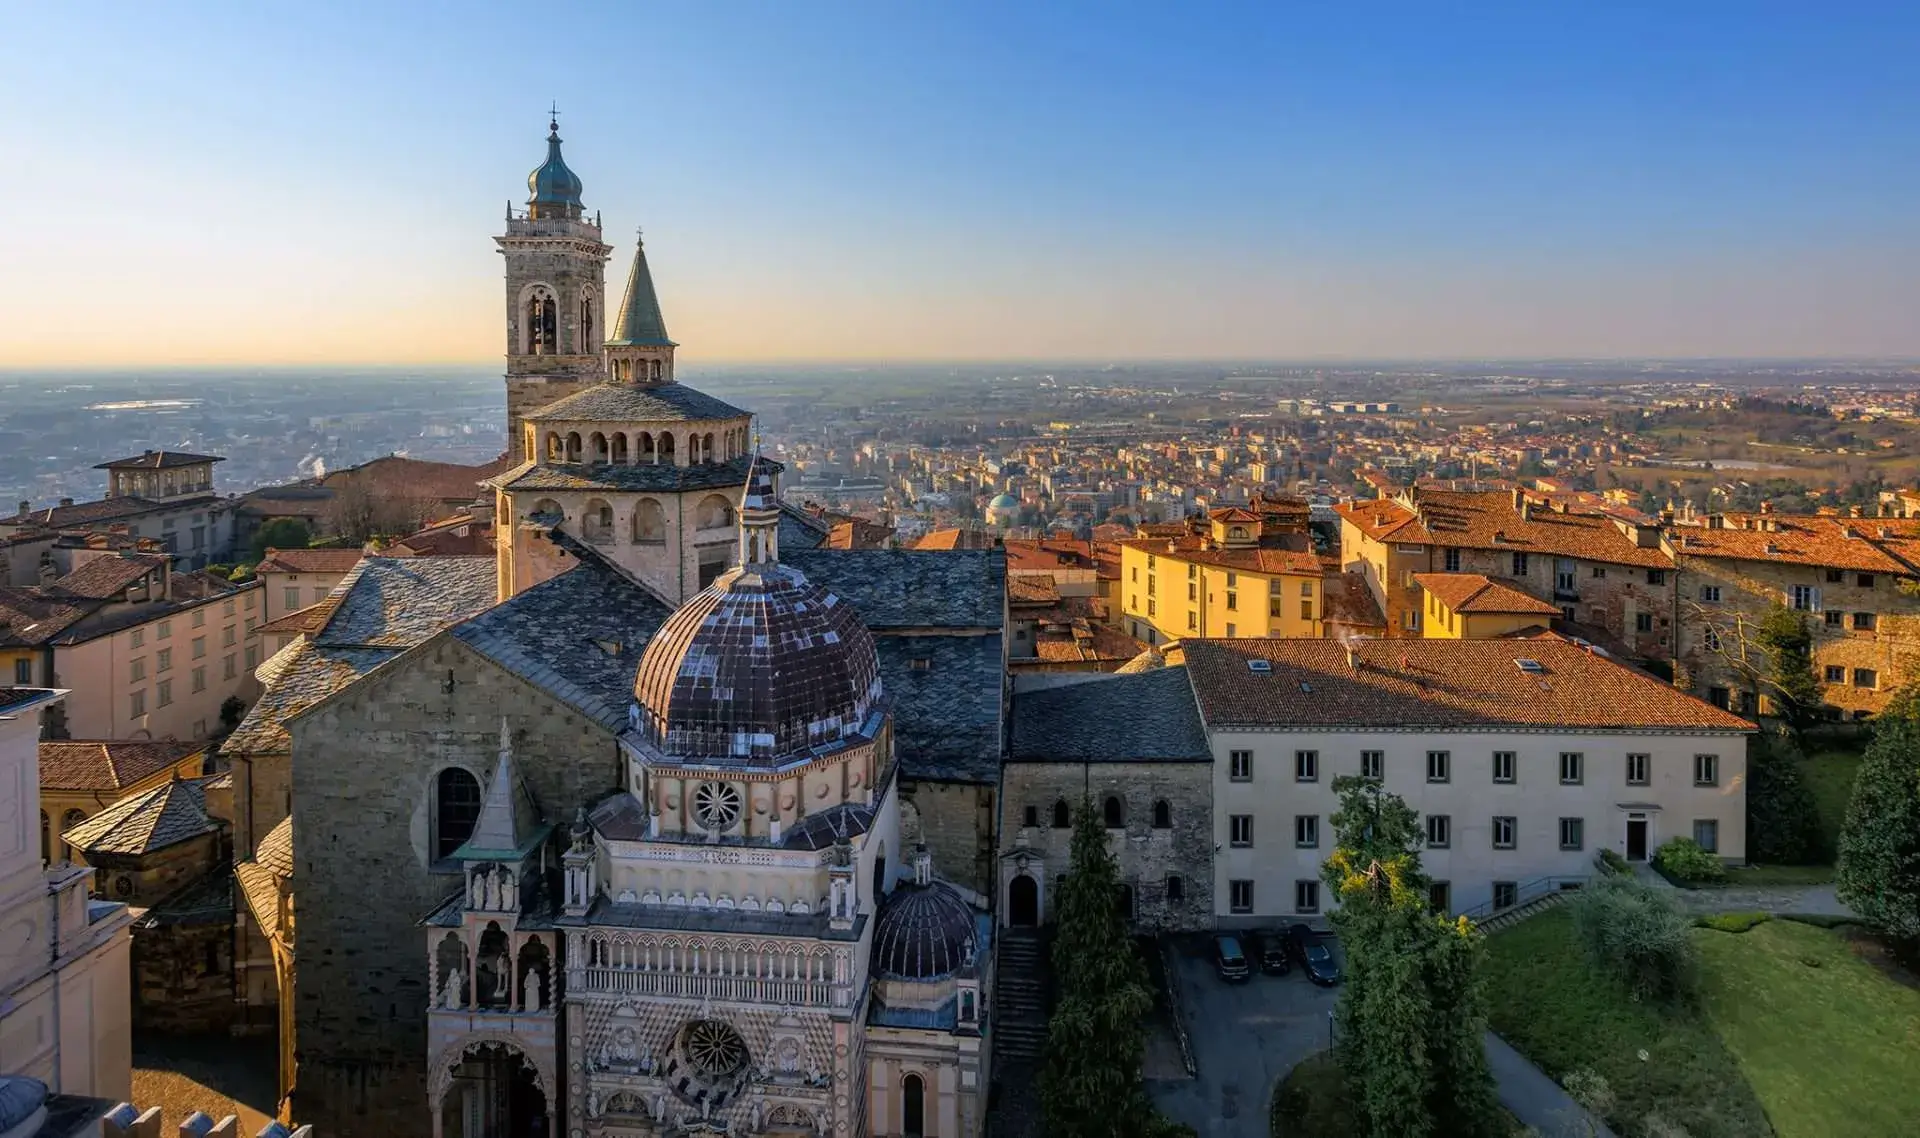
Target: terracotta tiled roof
(1435, 685)
(949, 539)
(1032, 588)
(858, 533)
(29, 618)
(1855, 544)
(107, 764)
(308, 561)
(1384, 520)
(1473, 592)
(1085, 643)
(1489, 520)
(1347, 600)
(308, 620)
(104, 577)
(1261, 559)
(1233, 514)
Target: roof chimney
(1353, 659)
(66, 501)
(1766, 507)
(1856, 511)
(25, 505)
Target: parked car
(1315, 958)
(1274, 960)
(1229, 959)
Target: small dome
(1004, 502)
(552, 184)
(763, 665)
(923, 932)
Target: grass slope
(1545, 1001)
(1830, 1044)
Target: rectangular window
(1306, 588)
(253, 656)
(290, 597)
(1599, 572)
(1643, 622)
(1193, 572)
(199, 647)
(1233, 630)
(1519, 564)
(1836, 576)
(1240, 766)
(1573, 833)
(1710, 638)
(1834, 618)
(226, 609)
(200, 678)
(1439, 896)
(1276, 608)
(23, 672)
(226, 637)
(1656, 576)
(165, 630)
(1805, 598)
(1864, 580)
(1306, 831)
(1866, 678)
(1439, 766)
(199, 618)
(1505, 894)
(1504, 765)
(1503, 832)
(1233, 600)
(163, 693)
(1718, 697)
(227, 669)
(1193, 592)
(1639, 770)
(1864, 622)
(1373, 764)
(1176, 889)
(1306, 610)
(1240, 829)
(1452, 560)
(163, 659)
(1306, 766)
(1152, 606)
(1152, 587)
(1571, 763)
(1710, 594)
(1706, 770)
(1410, 619)
(250, 623)
(1306, 896)
(1439, 831)
(137, 668)
(1836, 673)
(137, 704)
(1240, 896)
(136, 638)
(1706, 832)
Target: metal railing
(1525, 894)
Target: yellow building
(1472, 606)
(1230, 580)
(81, 777)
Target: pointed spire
(640, 323)
(759, 516)
(507, 817)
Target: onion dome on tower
(553, 190)
(764, 668)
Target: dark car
(1274, 960)
(1315, 958)
(1229, 959)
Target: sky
(270, 183)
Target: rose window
(716, 805)
(714, 1049)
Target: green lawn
(1544, 1000)
(1829, 776)
(1831, 1045)
(1312, 1102)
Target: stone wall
(1148, 855)
(1614, 600)
(183, 976)
(956, 821)
(527, 394)
(364, 766)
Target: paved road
(1806, 900)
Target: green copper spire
(640, 323)
(553, 190)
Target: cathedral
(663, 821)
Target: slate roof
(152, 820)
(307, 674)
(912, 588)
(107, 764)
(579, 636)
(398, 602)
(88, 513)
(946, 715)
(798, 531)
(633, 403)
(640, 323)
(159, 460)
(1140, 716)
(923, 932)
(649, 478)
(259, 876)
(1430, 685)
(1474, 592)
(105, 577)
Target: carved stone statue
(530, 990)
(593, 1104)
(503, 991)
(509, 890)
(477, 895)
(493, 890)
(624, 1049)
(451, 996)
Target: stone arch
(1062, 815)
(653, 370)
(1114, 812)
(548, 508)
(618, 453)
(880, 873)
(556, 448)
(533, 971)
(706, 447)
(596, 522)
(598, 449)
(528, 1085)
(1023, 901)
(664, 443)
(643, 451)
(649, 522)
(46, 838)
(452, 976)
(714, 512)
(537, 318)
(913, 1105)
(1162, 814)
(588, 320)
(493, 968)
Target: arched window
(573, 446)
(586, 322)
(1116, 814)
(653, 370)
(456, 807)
(68, 821)
(706, 448)
(665, 444)
(1162, 815)
(542, 324)
(596, 522)
(649, 521)
(913, 1107)
(46, 837)
(643, 451)
(556, 450)
(618, 452)
(547, 508)
(597, 444)
(715, 512)
(1062, 817)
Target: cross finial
(553, 115)
(639, 234)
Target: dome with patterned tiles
(763, 667)
(925, 931)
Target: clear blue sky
(273, 182)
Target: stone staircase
(1022, 995)
(1521, 912)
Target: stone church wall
(956, 821)
(1148, 855)
(364, 767)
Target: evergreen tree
(1783, 824)
(1788, 643)
(1879, 870)
(1411, 1014)
(1090, 1085)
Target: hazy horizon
(870, 184)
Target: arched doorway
(1023, 902)
(913, 1107)
(1123, 901)
(492, 1091)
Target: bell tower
(556, 293)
